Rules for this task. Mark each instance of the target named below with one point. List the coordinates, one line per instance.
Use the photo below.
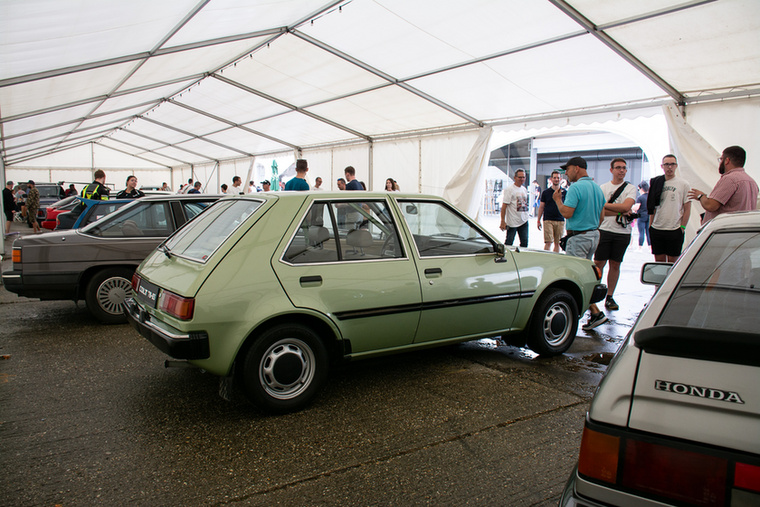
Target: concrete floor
(89, 416)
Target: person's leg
(642, 227)
(511, 231)
(523, 232)
(612, 277)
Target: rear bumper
(44, 286)
(600, 292)
(193, 345)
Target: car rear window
(203, 236)
(721, 288)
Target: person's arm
(686, 214)
(503, 224)
(618, 207)
(707, 203)
(565, 211)
(539, 214)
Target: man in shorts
(554, 222)
(615, 230)
(671, 211)
(583, 209)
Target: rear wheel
(106, 292)
(554, 323)
(285, 368)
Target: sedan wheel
(106, 292)
(285, 368)
(554, 323)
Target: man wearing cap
(266, 186)
(583, 209)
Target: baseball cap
(266, 182)
(576, 161)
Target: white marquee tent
(419, 90)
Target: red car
(56, 209)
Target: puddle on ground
(600, 358)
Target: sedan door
(466, 289)
(344, 260)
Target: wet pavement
(90, 416)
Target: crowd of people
(596, 221)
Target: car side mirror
(500, 250)
(654, 273)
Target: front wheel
(285, 368)
(106, 292)
(554, 323)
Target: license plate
(147, 293)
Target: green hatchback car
(268, 290)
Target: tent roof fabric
(189, 81)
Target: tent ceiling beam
(291, 107)
(654, 14)
(618, 49)
(143, 149)
(364, 66)
(168, 145)
(151, 104)
(132, 155)
(233, 124)
(196, 136)
(54, 146)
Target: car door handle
(310, 281)
(433, 271)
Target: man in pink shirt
(735, 191)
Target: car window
(102, 209)
(345, 231)
(440, 231)
(149, 219)
(199, 239)
(721, 288)
(194, 208)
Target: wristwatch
(700, 197)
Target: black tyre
(554, 323)
(105, 294)
(285, 368)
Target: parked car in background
(50, 193)
(87, 211)
(676, 418)
(270, 289)
(96, 262)
(55, 209)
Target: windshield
(721, 288)
(204, 235)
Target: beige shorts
(553, 231)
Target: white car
(676, 418)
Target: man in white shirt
(514, 210)
(670, 214)
(615, 230)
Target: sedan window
(144, 219)
(721, 288)
(345, 231)
(440, 231)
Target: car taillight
(597, 271)
(135, 281)
(175, 305)
(662, 471)
(16, 256)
